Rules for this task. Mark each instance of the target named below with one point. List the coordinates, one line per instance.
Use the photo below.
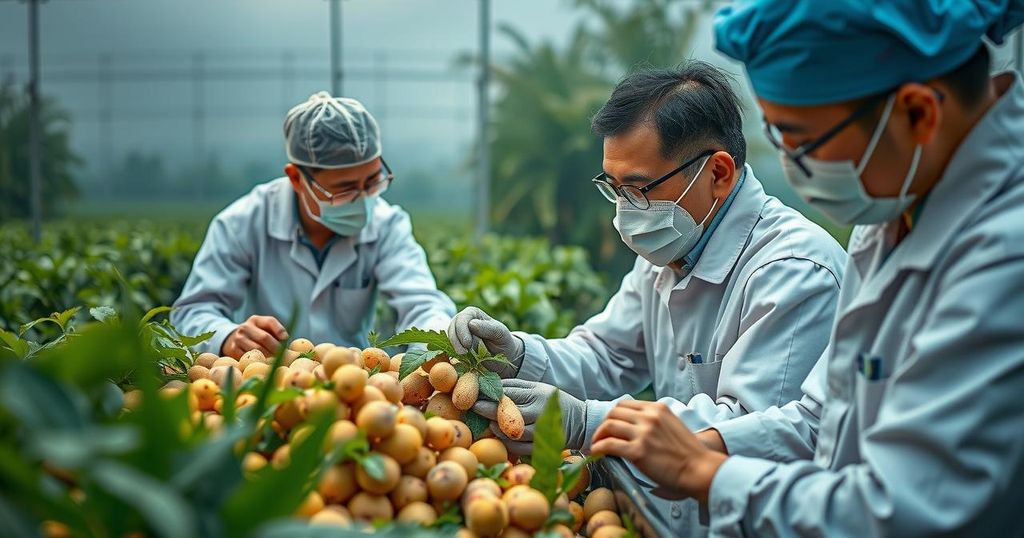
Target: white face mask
(835, 188)
(662, 233)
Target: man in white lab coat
(732, 294)
(912, 423)
(319, 243)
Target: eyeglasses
(637, 196)
(374, 186)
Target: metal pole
(199, 152)
(336, 87)
(483, 162)
(35, 149)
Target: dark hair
(691, 107)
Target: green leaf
(627, 522)
(373, 338)
(413, 359)
(283, 395)
(435, 340)
(153, 312)
(374, 466)
(493, 472)
(197, 339)
(499, 358)
(490, 385)
(451, 516)
(15, 344)
(461, 367)
(548, 443)
(163, 508)
(62, 318)
(375, 370)
(477, 424)
(103, 314)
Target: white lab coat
(252, 263)
(757, 308)
(928, 438)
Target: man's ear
(723, 168)
(293, 173)
(924, 110)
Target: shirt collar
(691, 258)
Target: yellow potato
(490, 452)
(220, 374)
(418, 512)
(373, 357)
(383, 486)
(424, 461)
(320, 351)
(337, 357)
(463, 457)
(467, 390)
(207, 392)
(318, 401)
(441, 405)
(446, 481)
(519, 475)
(300, 379)
(369, 507)
(416, 387)
(487, 517)
(597, 501)
(224, 361)
(601, 519)
(304, 364)
(341, 432)
(206, 360)
(133, 399)
(510, 419)
(463, 436)
(349, 382)
(388, 385)
(413, 417)
(396, 362)
(410, 489)
(197, 372)
(584, 481)
(301, 345)
(312, 504)
(377, 419)
(440, 433)
(332, 516)
(610, 531)
(403, 444)
(288, 414)
(370, 394)
(282, 457)
(256, 369)
(577, 515)
(253, 462)
(529, 510)
(443, 377)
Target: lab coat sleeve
(216, 287)
(945, 455)
(603, 358)
(788, 306)
(405, 280)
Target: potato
(320, 374)
(443, 377)
(429, 365)
(349, 382)
(282, 457)
(320, 350)
(392, 473)
(416, 387)
(207, 392)
(413, 417)
(577, 515)
(388, 385)
(484, 484)
(300, 379)
(403, 444)
(601, 519)
(490, 452)
(519, 475)
(563, 532)
(440, 433)
(220, 375)
(318, 401)
(487, 517)
(280, 378)
(288, 414)
(197, 372)
(513, 532)
(224, 361)
(337, 357)
(373, 357)
(424, 461)
(510, 419)
(597, 501)
(377, 419)
(312, 504)
(610, 531)
(256, 369)
(410, 489)
(341, 432)
(584, 481)
(446, 481)
(133, 399)
(206, 360)
(332, 516)
(463, 457)
(529, 510)
(301, 345)
(417, 512)
(369, 507)
(253, 462)
(304, 364)
(289, 357)
(396, 362)
(243, 400)
(467, 390)
(463, 435)
(370, 394)
(441, 405)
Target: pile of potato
(432, 465)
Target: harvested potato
(441, 405)
(416, 387)
(487, 517)
(510, 419)
(403, 444)
(349, 382)
(388, 385)
(446, 481)
(384, 485)
(467, 390)
(377, 419)
(489, 452)
(443, 377)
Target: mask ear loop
(709, 212)
(911, 173)
(694, 180)
(877, 135)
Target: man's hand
(657, 442)
(264, 333)
(531, 397)
(472, 326)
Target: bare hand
(264, 333)
(657, 442)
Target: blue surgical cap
(331, 132)
(812, 52)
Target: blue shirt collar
(691, 258)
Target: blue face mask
(346, 219)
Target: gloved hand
(531, 397)
(472, 326)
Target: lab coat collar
(727, 241)
(980, 167)
(283, 224)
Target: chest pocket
(699, 377)
(872, 378)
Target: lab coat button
(677, 512)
